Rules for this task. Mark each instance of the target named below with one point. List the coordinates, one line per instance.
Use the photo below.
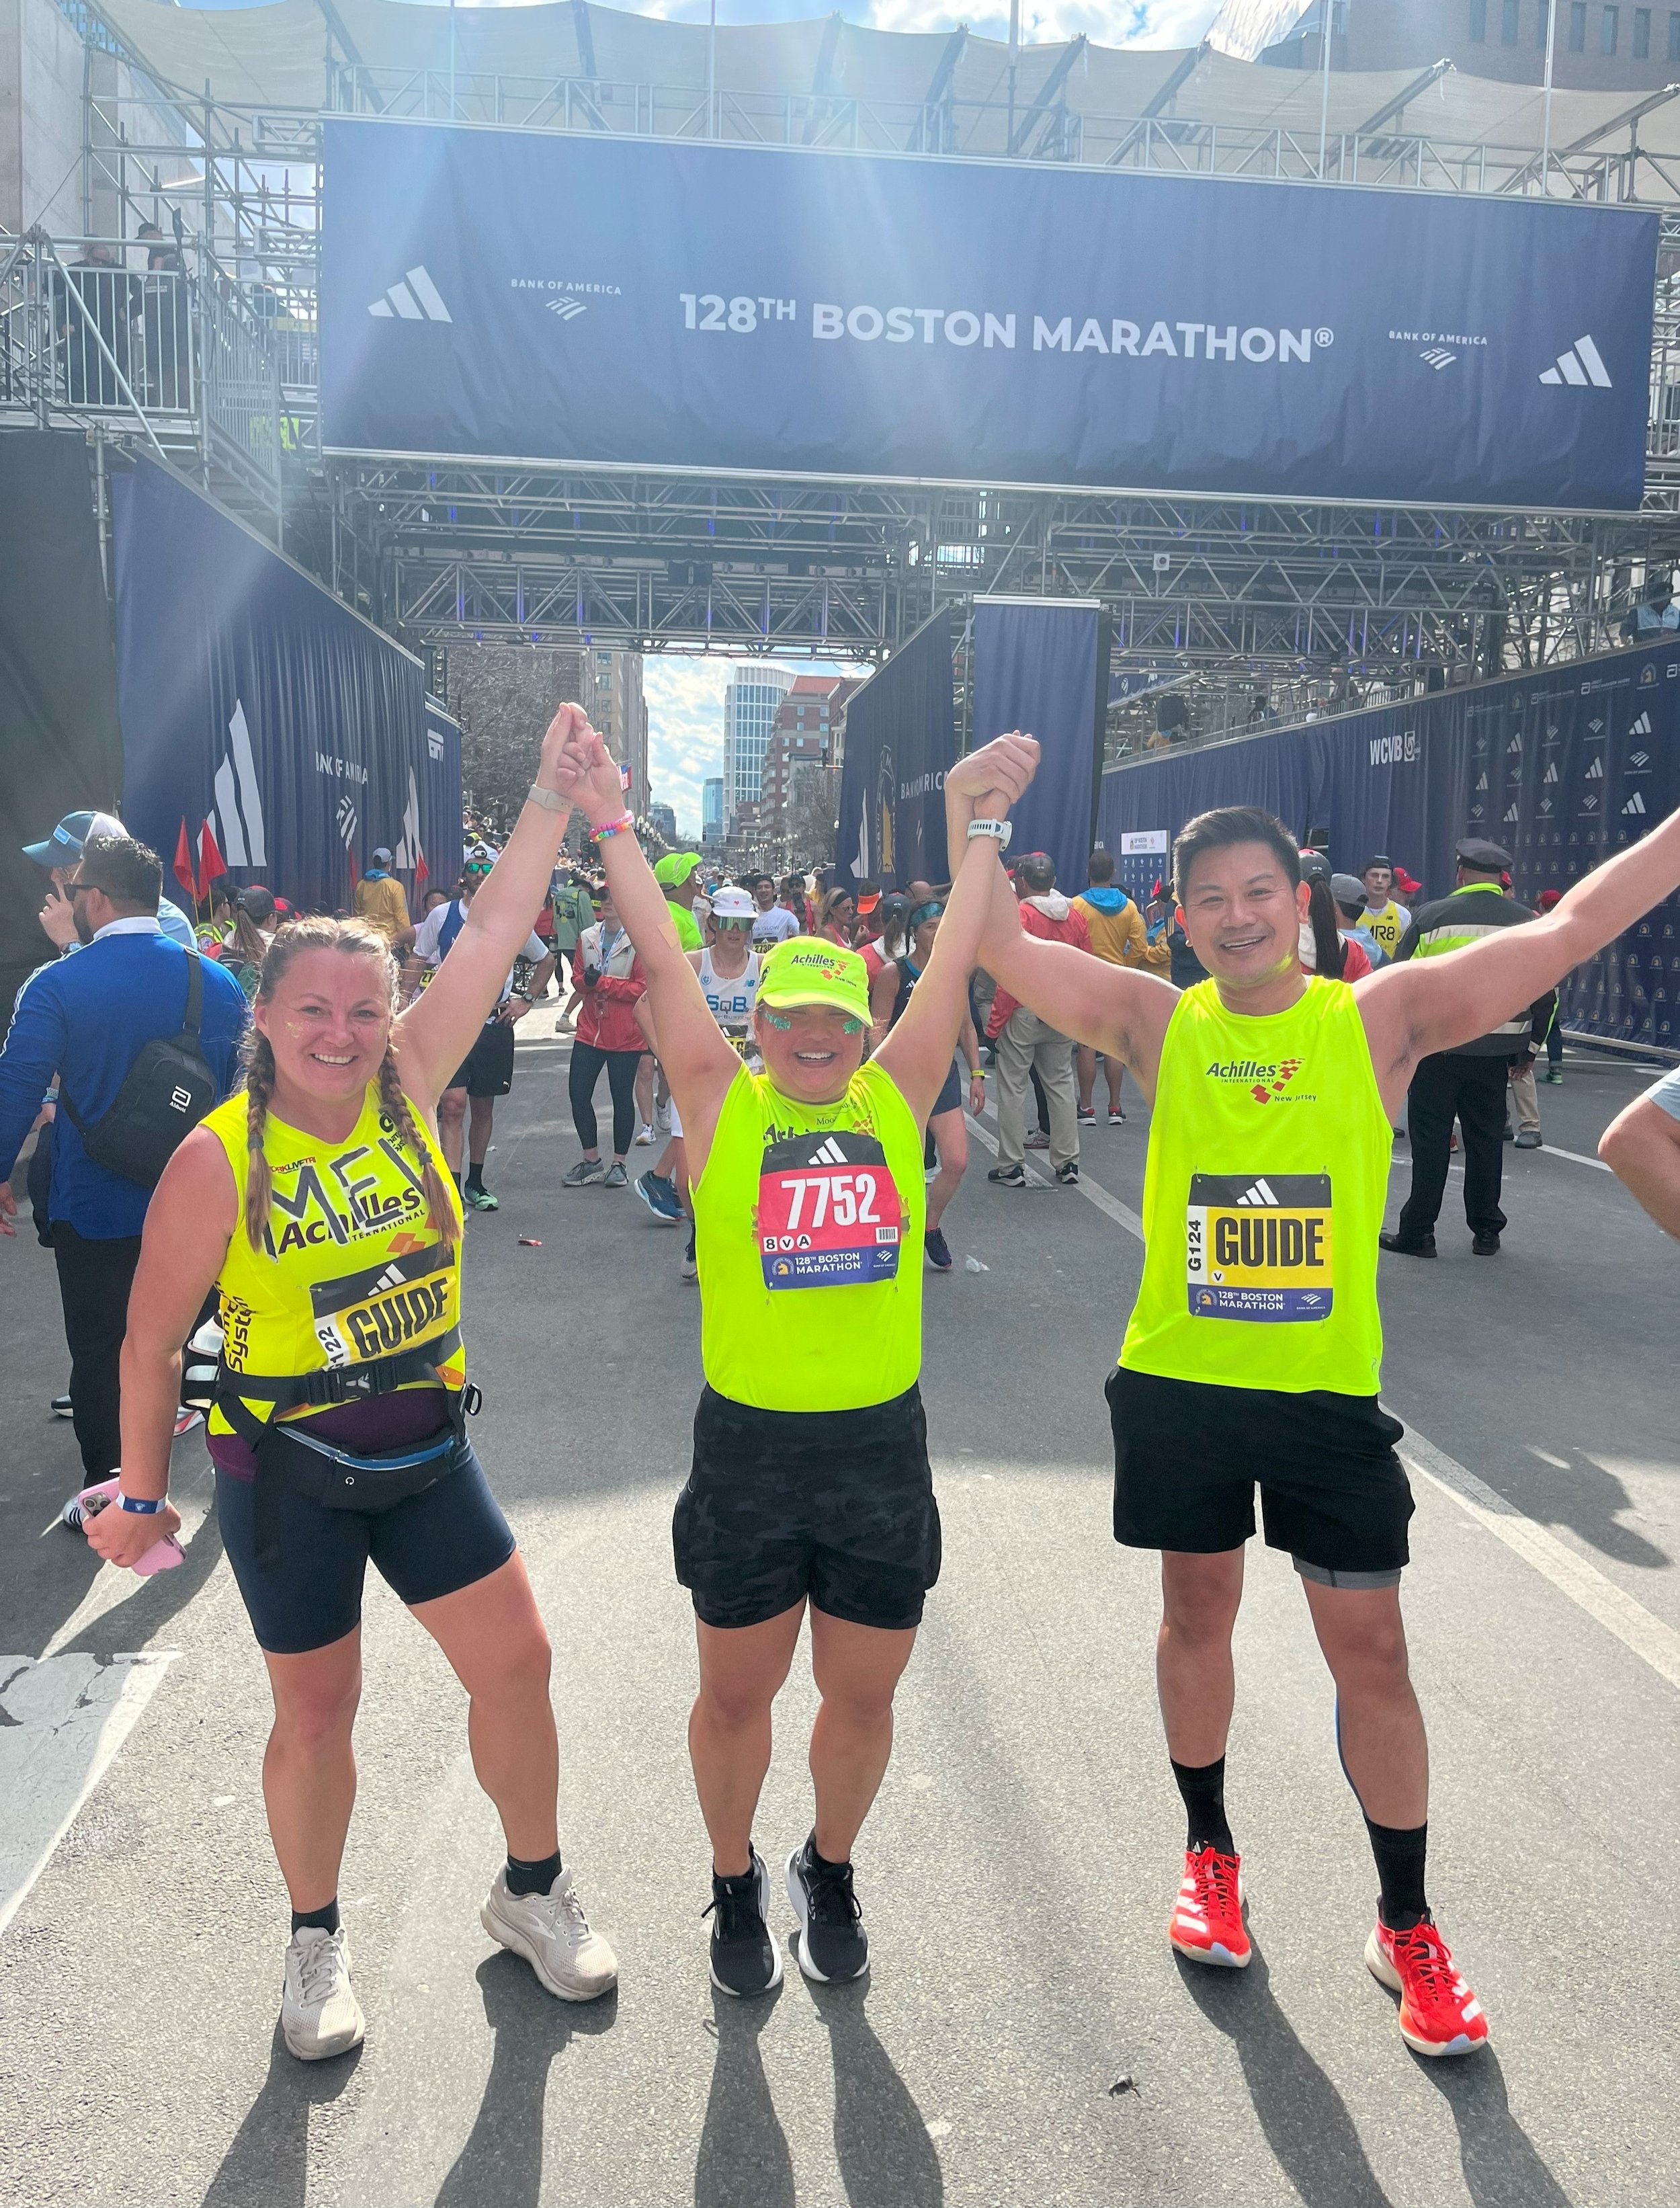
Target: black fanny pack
(338, 1478)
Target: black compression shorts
(1188, 1457)
(488, 1070)
(836, 1506)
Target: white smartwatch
(1003, 829)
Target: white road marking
(1549, 1149)
(1584, 1584)
(65, 1719)
(1588, 1587)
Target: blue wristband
(143, 1506)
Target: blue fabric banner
(251, 698)
(1037, 668)
(600, 298)
(1562, 769)
(901, 735)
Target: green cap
(807, 970)
(676, 868)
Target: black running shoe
(833, 1945)
(745, 1956)
(938, 1249)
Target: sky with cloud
(685, 724)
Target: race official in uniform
(1468, 1083)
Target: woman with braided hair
(318, 1204)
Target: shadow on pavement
(503, 2158)
(1304, 2118)
(743, 2154)
(136, 1622)
(1502, 2168)
(268, 2160)
(1590, 1502)
(886, 2159)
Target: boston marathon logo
(1264, 1079)
(1258, 1247)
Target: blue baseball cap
(64, 847)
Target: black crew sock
(818, 1861)
(1203, 1786)
(1399, 1868)
(475, 1177)
(532, 1877)
(327, 1918)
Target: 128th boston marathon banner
(639, 302)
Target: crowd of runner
(807, 1061)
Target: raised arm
(1114, 1009)
(699, 1063)
(917, 1054)
(434, 1036)
(1421, 1006)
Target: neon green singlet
(1268, 1170)
(807, 1229)
(351, 1271)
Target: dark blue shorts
(437, 1542)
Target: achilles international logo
(415, 299)
(1265, 1079)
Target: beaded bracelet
(614, 827)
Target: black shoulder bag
(165, 1094)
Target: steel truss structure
(1229, 594)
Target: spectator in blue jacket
(78, 1025)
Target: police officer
(1468, 1083)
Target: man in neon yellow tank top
(810, 1481)
(1254, 1350)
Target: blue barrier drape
(901, 735)
(250, 697)
(1038, 667)
(1562, 769)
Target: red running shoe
(1207, 1917)
(1438, 2013)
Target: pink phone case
(165, 1551)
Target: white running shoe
(320, 2014)
(552, 1933)
(644, 1138)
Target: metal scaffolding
(217, 342)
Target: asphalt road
(1019, 1868)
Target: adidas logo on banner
(1642, 726)
(415, 300)
(567, 309)
(1510, 812)
(1634, 804)
(1596, 772)
(827, 1154)
(1579, 364)
(1515, 745)
(1551, 775)
(1258, 1194)
(238, 800)
(1481, 782)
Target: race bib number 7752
(829, 1213)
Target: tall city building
(664, 821)
(619, 710)
(750, 706)
(712, 810)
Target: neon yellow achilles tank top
(1268, 1170)
(807, 1229)
(350, 1270)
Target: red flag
(423, 874)
(211, 865)
(184, 861)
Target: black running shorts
(836, 1506)
(1188, 1457)
(308, 1592)
(488, 1070)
